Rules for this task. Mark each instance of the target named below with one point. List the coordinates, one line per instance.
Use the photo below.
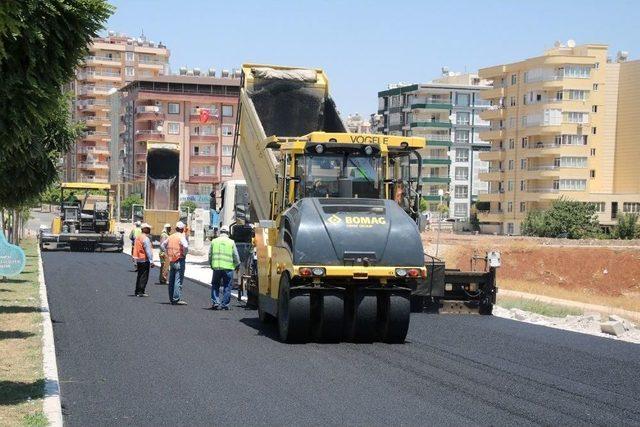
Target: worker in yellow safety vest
(224, 259)
(176, 247)
(143, 256)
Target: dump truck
(161, 198)
(85, 221)
(337, 245)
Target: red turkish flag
(204, 115)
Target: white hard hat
(224, 229)
(145, 225)
(137, 223)
(180, 224)
(167, 225)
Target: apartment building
(112, 62)
(446, 112)
(355, 123)
(563, 124)
(191, 113)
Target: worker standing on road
(224, 259)
(176, 247)
(132, 236)
(143, 255)
(164, 260)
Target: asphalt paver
(141, 361)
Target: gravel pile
(612, 326)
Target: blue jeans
(176, 277)
(221, 278)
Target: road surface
(140, 361)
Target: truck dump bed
(282, 101)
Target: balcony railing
(543, 190)
(148, 109)
(437, 137)
(543, 167)
(491, 191)
(492, 170)
(151, 61)
(83, 75)
(101, 58)
(95, 133)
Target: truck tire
(486, 309)
(328, 310)
(294, 314)
(361, 317)
(395, 324)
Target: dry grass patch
(21, 377)
(539, 307)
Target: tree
(41, 43)
(627, 227)
(424, 206)
(566, 218)
(189, 206)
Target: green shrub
(565, 218)
(627, 227)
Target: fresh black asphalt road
(139, 361)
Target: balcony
(493, 174)
(542, 171)
(204, 179)
(203, 138)
(431, 104)
(84, 177)
(431, 124)
(492, 134)
(93, 76)
(95, 121)
(101, 60)
(93, 105)
(435, 179)
(95, 135)
(141, 156)
(492, 155)
(491, 195)
(495, 92)
(491, 216)
(203, 158)
(95, 90)
(151, 63)
(149, 112)
(436, 160)
(94, 151)
(149, 135)
(214, 115)
(91, 165)
(494, 112)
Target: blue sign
(12, 259)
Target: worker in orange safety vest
(176, 247)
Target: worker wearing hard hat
(143, 256)
(176, 247)
(164, 260)
(224, 259)
(132, 236)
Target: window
(512, 144)
(227, 111)
(514, 79)
(559, 95)
(523, 185)
(573, 184)
(577, 71)
(462, 155)
(511, 164)
(174, 108)
(631, 207)
(595, 86)
(573, 162)
(592, 173)
(462, 99)
(173, 128)
(577, 95)
(206, 130)
(596, 65)
(460, 210)
(593, 151)
(129, 71)
(462, 136)
(462, 173)
(461, 191)
(525, 142)
(594, 108)
(510, 185)
(599, 206)
(593, 130)
(227, 130)
(576, 117)
(463, 118)
(129, 56)
(512, 101)
(227, 150)
(510, 207)
(523, 206)
(512, 122)
(571, 139)
(523, 164)
(226, 170)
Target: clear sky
(365, 45)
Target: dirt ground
(603, 272)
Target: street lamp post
(441, 194)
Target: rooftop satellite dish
(571, 43)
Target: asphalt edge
(52, 405)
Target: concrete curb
(631, 315)
(52, 405)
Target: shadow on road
(18, 309)
(5, 335)
(14, 392)
(269, 330)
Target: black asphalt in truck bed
(140, 361)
